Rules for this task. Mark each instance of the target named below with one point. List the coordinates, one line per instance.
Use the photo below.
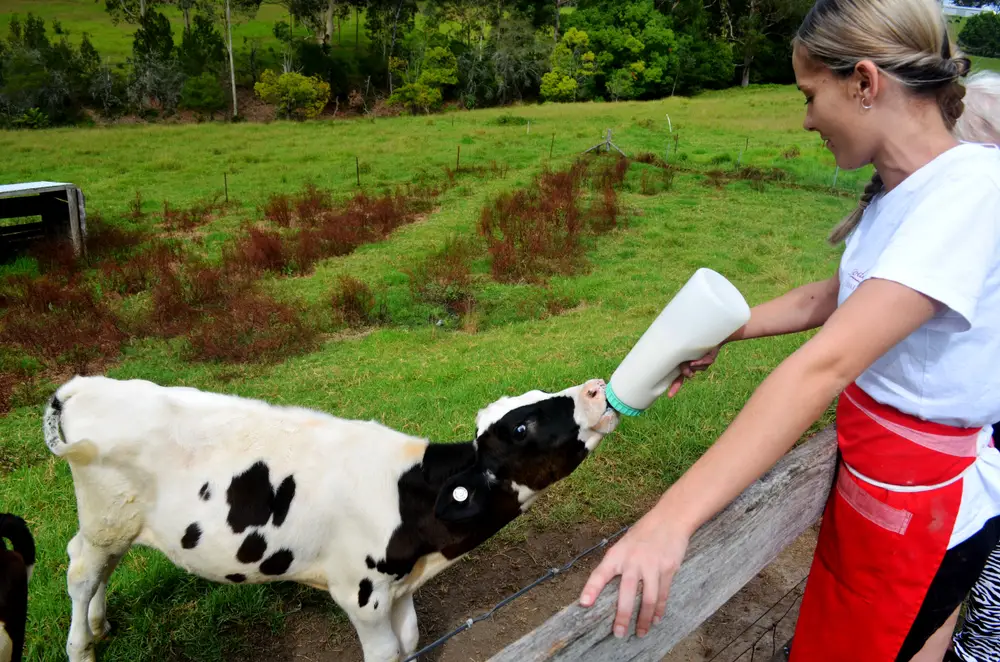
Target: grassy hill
(114, 42)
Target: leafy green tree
(635, 47)
(508, 66)
(48, 79)
(129, 11)
(981, 35)
(386, 21)
(440, 68)
(202, 48)
(153, 38)
(573, 65)
(203, 94)
(416, 97)
(296, 96)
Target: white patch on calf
(6, 645)
(525, 495)
(497, 410)
(592, 413)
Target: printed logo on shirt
(856, 276)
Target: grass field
(412, 374)
(114, 42)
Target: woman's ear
(866, 83)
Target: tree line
(417, 56)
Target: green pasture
(413, 374)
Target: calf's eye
(521, 431)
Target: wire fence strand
(553, 572)
(771, 630)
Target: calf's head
(526, 443)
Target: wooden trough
(725, 554)
(60, 206)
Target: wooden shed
(34, 211)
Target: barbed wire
(771, 630)
(553, 572)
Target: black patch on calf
(549, 450)
(282, 500)
(534, 445)
(375, 606)
(253, 548)
(237, 578)
(249, 497)
(420, 532)
(14, 579)
(13, 598)
(277, 563)
(364, 592)
(205, 492)
(15, 529)
(477, 487)
(252, 499)
(191, 536)
(370, 562)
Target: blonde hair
(906, 39)
(980, 123)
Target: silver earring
(863, 102)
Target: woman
(908, 347)
(978, 640)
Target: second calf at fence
(241, 491)
(15, 572)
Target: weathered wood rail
(60, 206)
(723, 556)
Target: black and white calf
(15, 572)
(237, 490)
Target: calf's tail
(81, 452)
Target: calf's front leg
(374, 627)
(404, 624)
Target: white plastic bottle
(706, 311)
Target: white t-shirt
(938, 232)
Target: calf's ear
(463, 497)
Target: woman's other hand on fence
(688, 368)
(650, 553)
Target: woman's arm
(878, 315)
(801, 309)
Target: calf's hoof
(100, 629)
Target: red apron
(885, 530)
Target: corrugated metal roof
(11, 190)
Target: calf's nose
(594, 388)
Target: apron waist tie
(905, 488)
(984, 441)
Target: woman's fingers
(599, 578)
(626, 600)
(650, 593)
(675, 386)
(661, 597)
